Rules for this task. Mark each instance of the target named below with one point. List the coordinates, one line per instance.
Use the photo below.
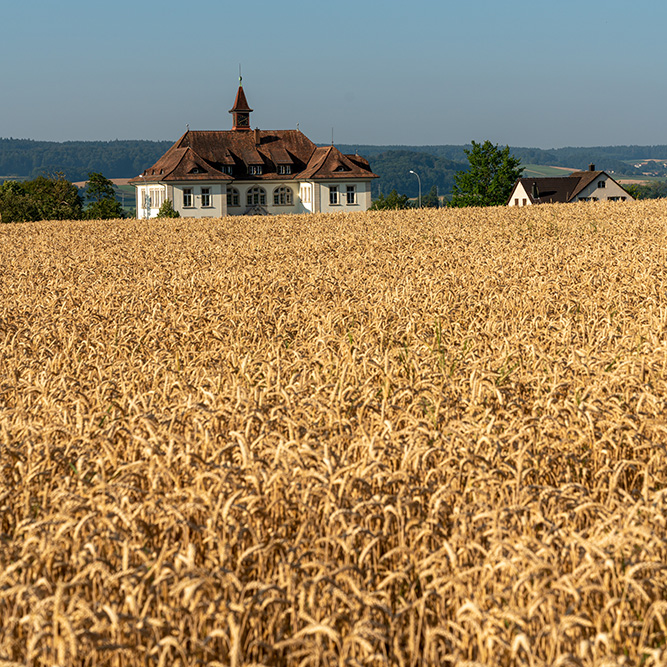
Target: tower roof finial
(241, 110)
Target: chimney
(257, 137)
(535, 193)
(591, 167)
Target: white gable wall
(602, 188)
(519, 196)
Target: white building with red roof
(588, 185)
(245, 171)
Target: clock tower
(241, 111)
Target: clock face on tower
(242, 120)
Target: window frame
(156, 196)
(334, 196)
(206, 198)
(283, 196)
(188, 198)
(255, 169)
(256, 196)
(233, 198)
(351, 190)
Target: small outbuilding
(588, 185)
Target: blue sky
(544, 74)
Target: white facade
(520, 197)
(344, 196)
(603, 188)
(217, 200)
(149, 199)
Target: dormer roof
(203, 155)
(182, 164)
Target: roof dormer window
(197, 170)
(284, 169)
(341, 167)
(255, 169)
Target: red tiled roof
(208, 155)
(203, 155)
(549, 189)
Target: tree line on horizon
(28, 159)
(55, 198)
(436, 164)
(485, 180)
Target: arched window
(256, 196)
(282, 196)
(233, 198)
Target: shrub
(167, 210)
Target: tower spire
(241, 110)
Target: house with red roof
(588, 185)
(245, 171)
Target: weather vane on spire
(240, 77)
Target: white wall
(316, 196)
(218, 200)
(158, 194)
(610, 189)
(362, 199)
(520, 197)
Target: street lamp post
(420, 186)
(147, 199)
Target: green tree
(55, 197)
(392, 201)
(99, 187)
(490, 177)
(101, 192)
(16, 204)
(431, 199)
(653, 190)
(167, 210)
(43, 198)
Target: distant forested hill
(393, 163)
(618, 159)
(394, 167)
(436, 165)
(25, 158)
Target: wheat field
(391, 438)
